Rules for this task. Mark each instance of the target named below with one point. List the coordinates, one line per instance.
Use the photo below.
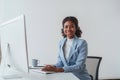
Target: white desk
(39, 76)
(54, 76)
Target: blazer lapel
(72, 49)
(62, 52)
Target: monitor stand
(10, 73)
(7, 68)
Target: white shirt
(67, 47)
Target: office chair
(92, 65)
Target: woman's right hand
(49, 68)
(52, 68)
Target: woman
(72, 51)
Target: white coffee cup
(35, 62)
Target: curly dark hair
(75, 21)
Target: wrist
(59, 70)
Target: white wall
(1, 8)
(99, 21)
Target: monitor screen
(13, 43)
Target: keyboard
(44, 72)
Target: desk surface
(54, 76)
(39, 76)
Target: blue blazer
(75, 62)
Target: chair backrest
(92, 65)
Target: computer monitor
(13, 43)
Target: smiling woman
(72, 51)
